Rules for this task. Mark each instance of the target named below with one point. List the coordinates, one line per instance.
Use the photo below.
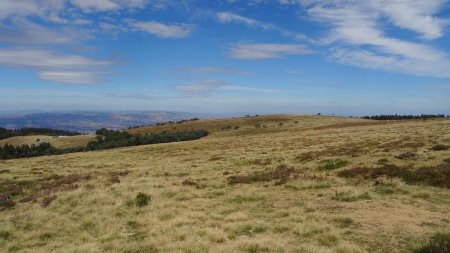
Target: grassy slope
(64, 142)
(300, 216)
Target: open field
(57, 142)
(282, 183)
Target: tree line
(7, 133)
(166, 123)
(105, 139)
(402, 117)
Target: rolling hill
(56, 141)
(276, 183)
(90, 121)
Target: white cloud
(24, 32)
(162, 30)
(261, 51)
(415, 15)
(70, 69)
(355, 24)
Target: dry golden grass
(24, 140)
(193, 208)
(58, 142)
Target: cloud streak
(264, 51)
(161, 30)
(204, 88)
(212, 70)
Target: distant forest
(403, 117)
(106, 139)
(7, 133)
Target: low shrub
(142, 199)
(48, 200)
(440, 147)
(439, 243)
(406, 156)
(331, 164)
(5, 235)
(382, 161)
(6, 202)
(344, 222)
(433, 175)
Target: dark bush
(406, 155)
(6, 202)
(48, 200)
(440, 147)
(439, 243)
(142, 199)
(188, 181)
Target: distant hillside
(91, 121)
(7, 133)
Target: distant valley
(91, 121)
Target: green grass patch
(349, 197)
(239, 199)
(332, 164)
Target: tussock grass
(281, 174)
(438, 243)
(96, 211)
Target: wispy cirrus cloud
(262, 51)
(230, 17)
(70, 77)
(211, 70)
(162, 30)
(204, 88)
(137, 96)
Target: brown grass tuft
(282, 173)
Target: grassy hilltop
(280, 183)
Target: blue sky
(347, 57)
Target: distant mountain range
(91, 121)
